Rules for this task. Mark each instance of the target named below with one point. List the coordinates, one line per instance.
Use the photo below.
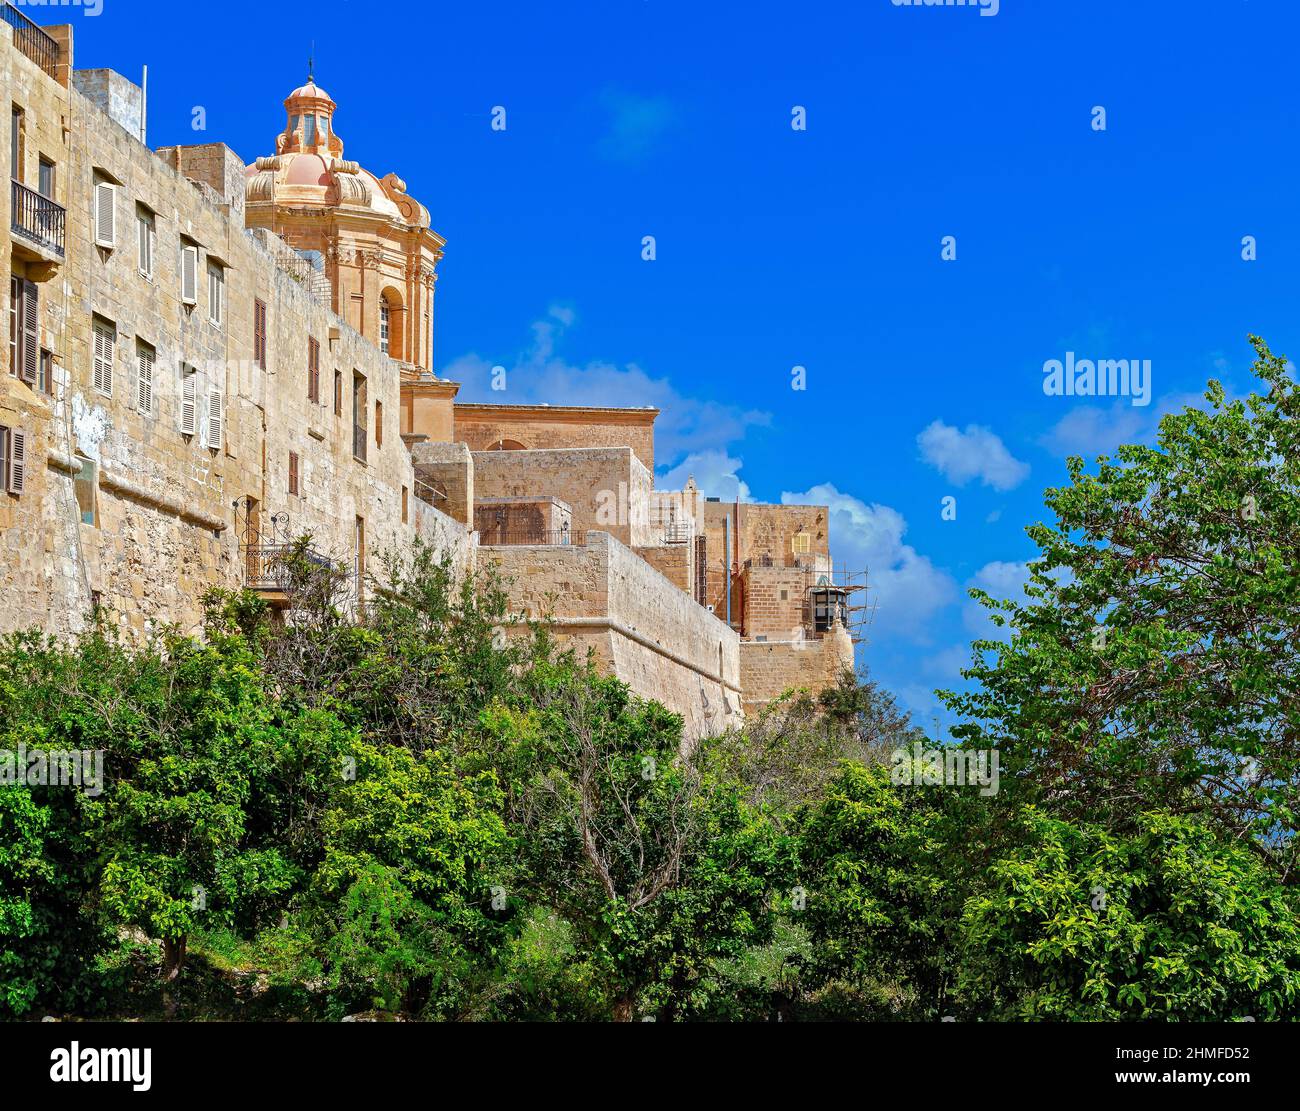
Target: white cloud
(716, 473)
(1090, 430)
(540, 376)
(975, 453)
(905, 586)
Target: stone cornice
(562, 414)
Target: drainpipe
(726, 561)
(735, 559)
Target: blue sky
(821, 248)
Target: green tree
(1171, 922)
(401, 905)
(886, 870)
(1155, 662)
(658, 868)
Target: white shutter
(215, 402)
(146, 246)
(216, 293)
(105, 215)
(144, 381)
(190, 275)
(189, 401)
(104, 343)
(17, 449)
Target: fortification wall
(768, 669)
(655, 638)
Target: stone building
(209, 359)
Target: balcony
(32, 40)
(39, 221)
(524, 538)
(307, 269)
(275, 570)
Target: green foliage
(408, 811)
(1171, 922)
(884, 868)
(1156, 659)
(400, 903)
(659, 866)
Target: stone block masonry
(602, 596)
(173, 435)
(769, 669)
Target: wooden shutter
(105, 215)
(104, 343)
(30, 362)
(216, 401)
(259, 334)
(189, 401)
(15, 325)
(190, 275)
(313, 370)
(144, 380)
(293, 473)
(17, 461)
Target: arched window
(507, 445)
(392, 329)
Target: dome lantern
(310, 127)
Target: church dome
(309, 91)
(308, 169)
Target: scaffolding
(838, 598)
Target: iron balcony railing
(305, 271)
(32, 40)
(38, 218)
(523, 538)
(428, 493)
(271, 566)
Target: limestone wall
(654, 637)
(773, 602)
(769, 669)
(448, 472)
(606, 488)
(169, 509)
(758, 532)
(672, 561)
(539, 427)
